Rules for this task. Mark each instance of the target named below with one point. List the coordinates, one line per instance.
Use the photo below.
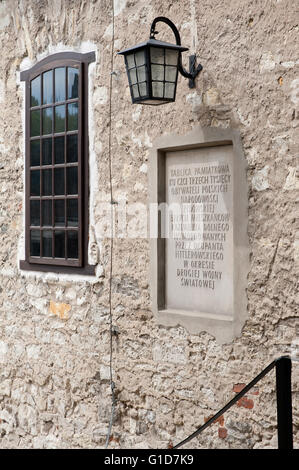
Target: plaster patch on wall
(4, 16)
(138, 187)
(292, 180)
(100, 95)
(3, 149)
(252, 156)
(143, 168)
(296, 250)
(2, 91)
(288, 65)
(3, 351)
(136, 113)
(60, 309)
(295, 91)
(34, 290)
(108, 32)
(119, 5)
(93, 252)
(267, 62)
(244, 121)
(195, 100)
(142, 141)
(193, 28)
(211, 97)
(260, 179)
(39, 304)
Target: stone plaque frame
(223, 328)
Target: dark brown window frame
(80, 266)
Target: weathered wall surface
(54, 332)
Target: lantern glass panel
(141, 74)
(140, 58)
(158, 72)
(130, 61)
(133, 76)
(158, 88)
(157, 55)
(142, 89)
(171, 57)
(135, 91)
(169, 90)
(170, 74)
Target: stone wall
(55, 330)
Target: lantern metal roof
(154, 43)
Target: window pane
(141, 74)
(36, 92)
(34, 243)
(72, 212)
(47, 212)
(72, 244)
(140, 58)
(35, 153)
(130, 60)
(133, 76)
(59, 241)
(158, 72)
(169, 90)
(72, 180)
(135, 91)
(158, 89)
(59, 219)
(47, 151)
(47, 120)
(60, 118)
(73, 82)
(60, 84)
(48, 87)
(171, 57)
(35, 123)
(170, 74)
(59, 181)
(59, 149)
(142, 89)
(47, 182)
(34, 213)
(47, 243)
(157, 55)
(35, 183)
(72, 117)
(72, 148)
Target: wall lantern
(153, 67)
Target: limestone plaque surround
(199, 274)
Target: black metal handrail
(283, 367)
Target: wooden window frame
(61, 265)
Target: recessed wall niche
(198, 232)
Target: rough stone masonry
(54, 330)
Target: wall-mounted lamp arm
(194, 71)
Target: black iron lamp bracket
(193, 69)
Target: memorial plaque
(199, 264)
(199, 250)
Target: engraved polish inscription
(198, 227)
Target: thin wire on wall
(112, 385)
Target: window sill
(88, 270)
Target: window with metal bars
(56, 169)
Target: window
(56, 168)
